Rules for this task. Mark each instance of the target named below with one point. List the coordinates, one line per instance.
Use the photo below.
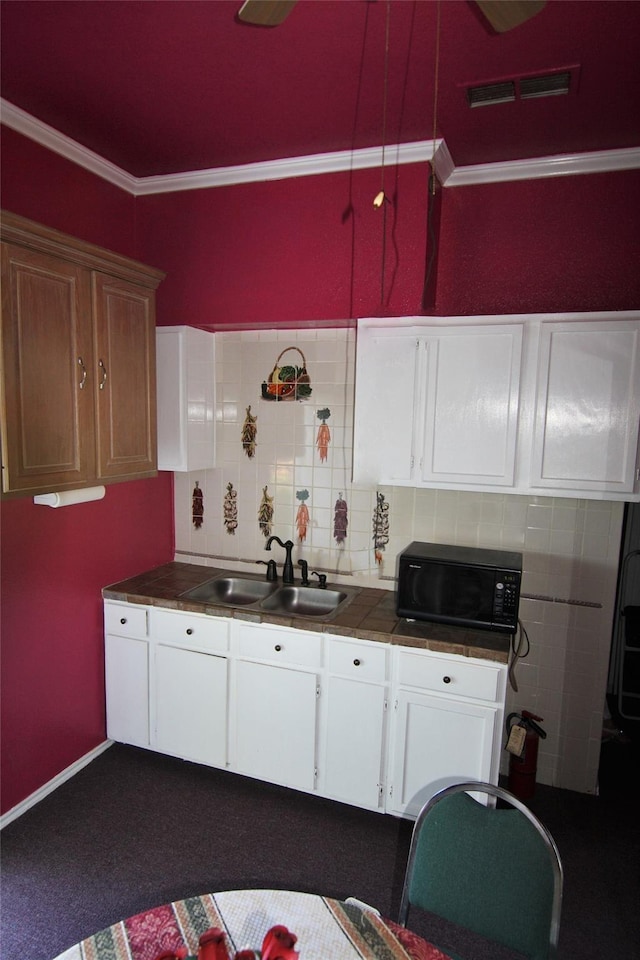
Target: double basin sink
(287, 599)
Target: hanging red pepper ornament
(302, 516)
(324, 434)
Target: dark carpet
(135, 829)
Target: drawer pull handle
(356, 663)
(189, 631)
(446, 679)
(123, 620)
(277, 648)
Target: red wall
(286, 250)
(304, 249)
(566, 243)
(301, 250)
(54, 562)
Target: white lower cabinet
(354, 706)
(190, 693)
(274, 711)
(127, 673)
(447, 725)
(189, 685)
(372, 724)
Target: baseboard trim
(53, 784)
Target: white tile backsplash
(570, 547)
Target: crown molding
(565, 165)
(22, 122)
(339, 161)
(435, 152)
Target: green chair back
(493, 870)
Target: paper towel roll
(66, 497)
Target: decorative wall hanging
(289, 381)
(265, 513)
(249, 432)
(230, 509)
(302, 516)
(340, 521)
(380, 526)
(324, 434)
(197, 506)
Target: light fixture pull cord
(384, 143)
(436, 79)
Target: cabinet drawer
(362, 661)
(278, 644)
(443, 675)
(125, 619)
(192, 630)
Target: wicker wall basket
(288, 381)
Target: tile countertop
(369, 614)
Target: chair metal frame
(500, 793)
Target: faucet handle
(305, 572)
(322, 579)
(272, 570)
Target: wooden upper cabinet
(78, 404)
(126, 390)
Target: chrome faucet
(287, 569)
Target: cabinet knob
(189, 631)
(277, 648)
(123, 620)
(446, 679)
(356, 663)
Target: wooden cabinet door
(47, 421)
(190, 705)
(124, 359)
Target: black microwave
(464, 586)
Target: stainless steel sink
(233, 591)
(304, 601)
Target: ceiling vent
(548, 86)
(520, 88)
(491, 93)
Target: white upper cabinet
(588, 406)
(536, 403)
(185, 358)
(437, 405)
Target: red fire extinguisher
(523, 735)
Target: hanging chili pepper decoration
(340, 521)
(249, 431)
(197, 506)
(324, 434)
(302, 516)
(380, 526)
(265, 513)
(230, 509)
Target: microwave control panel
(505, 600)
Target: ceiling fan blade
(504, 15)
(265, 13)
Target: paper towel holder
(65, 498)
